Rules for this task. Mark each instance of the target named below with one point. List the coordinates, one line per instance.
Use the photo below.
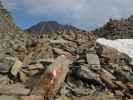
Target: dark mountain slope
(50, 27)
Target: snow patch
(122, 45)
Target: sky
(85, 14)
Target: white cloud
(83, 13)
(10, 4)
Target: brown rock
(130, 85)
(110, 55)
(32, 98)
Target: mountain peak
(50, 27)
(51, 22)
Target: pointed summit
(50, 27)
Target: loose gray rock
(93, 59)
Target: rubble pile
(63, 66)
(95, 71)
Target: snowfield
(122, 45)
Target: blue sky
(85, 14)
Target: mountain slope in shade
(50, 27)
(116, 29)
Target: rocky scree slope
(116, 29)
(97, 72)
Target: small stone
(64, 90)
(35, 66)
(14, 89)
(120, 84)
(16, 67)
(4, 80)
(93, 59)
(32, 98)
(4, 68)
(119, 93)
(63, 98)
(108, 74)
(23, 76)
(4, 97)
(130, 85)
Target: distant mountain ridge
(116, 29)
(50, 27)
